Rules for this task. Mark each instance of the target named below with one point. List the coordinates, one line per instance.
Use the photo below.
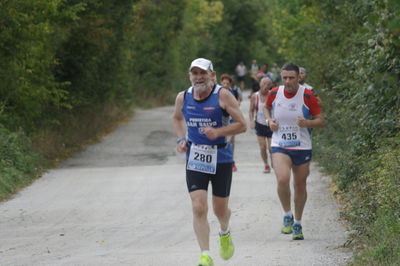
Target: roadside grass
(374, 208)
(380, 242)
(371, 202)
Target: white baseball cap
(202, 63)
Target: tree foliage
(59, 56)
(30, 32)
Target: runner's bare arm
(252, 106)
(228, 102)
(179, 123)
(252, 109)
(271, 122)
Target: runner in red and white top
(291, 111)
(288, 107)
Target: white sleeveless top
(285, 111)
(260, 118)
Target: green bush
(18, 164)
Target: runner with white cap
(201, 122)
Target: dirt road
(124, 202)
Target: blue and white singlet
(206, 112)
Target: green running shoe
(226, 247)
(205, 260)
(297, 232)
(287, 225)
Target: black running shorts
(263, 130)
(220, 182)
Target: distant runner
(302, 81)
(257, 120)
(241, 72)
(253, 75)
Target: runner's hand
(210, 132)
(273, 125)
(181, 146)
(301, 121)
(252, 124)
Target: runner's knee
(199, 208)
(283, 181)
(300, 186)
(221, 211)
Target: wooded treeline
(65, 64)
(58, 56)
